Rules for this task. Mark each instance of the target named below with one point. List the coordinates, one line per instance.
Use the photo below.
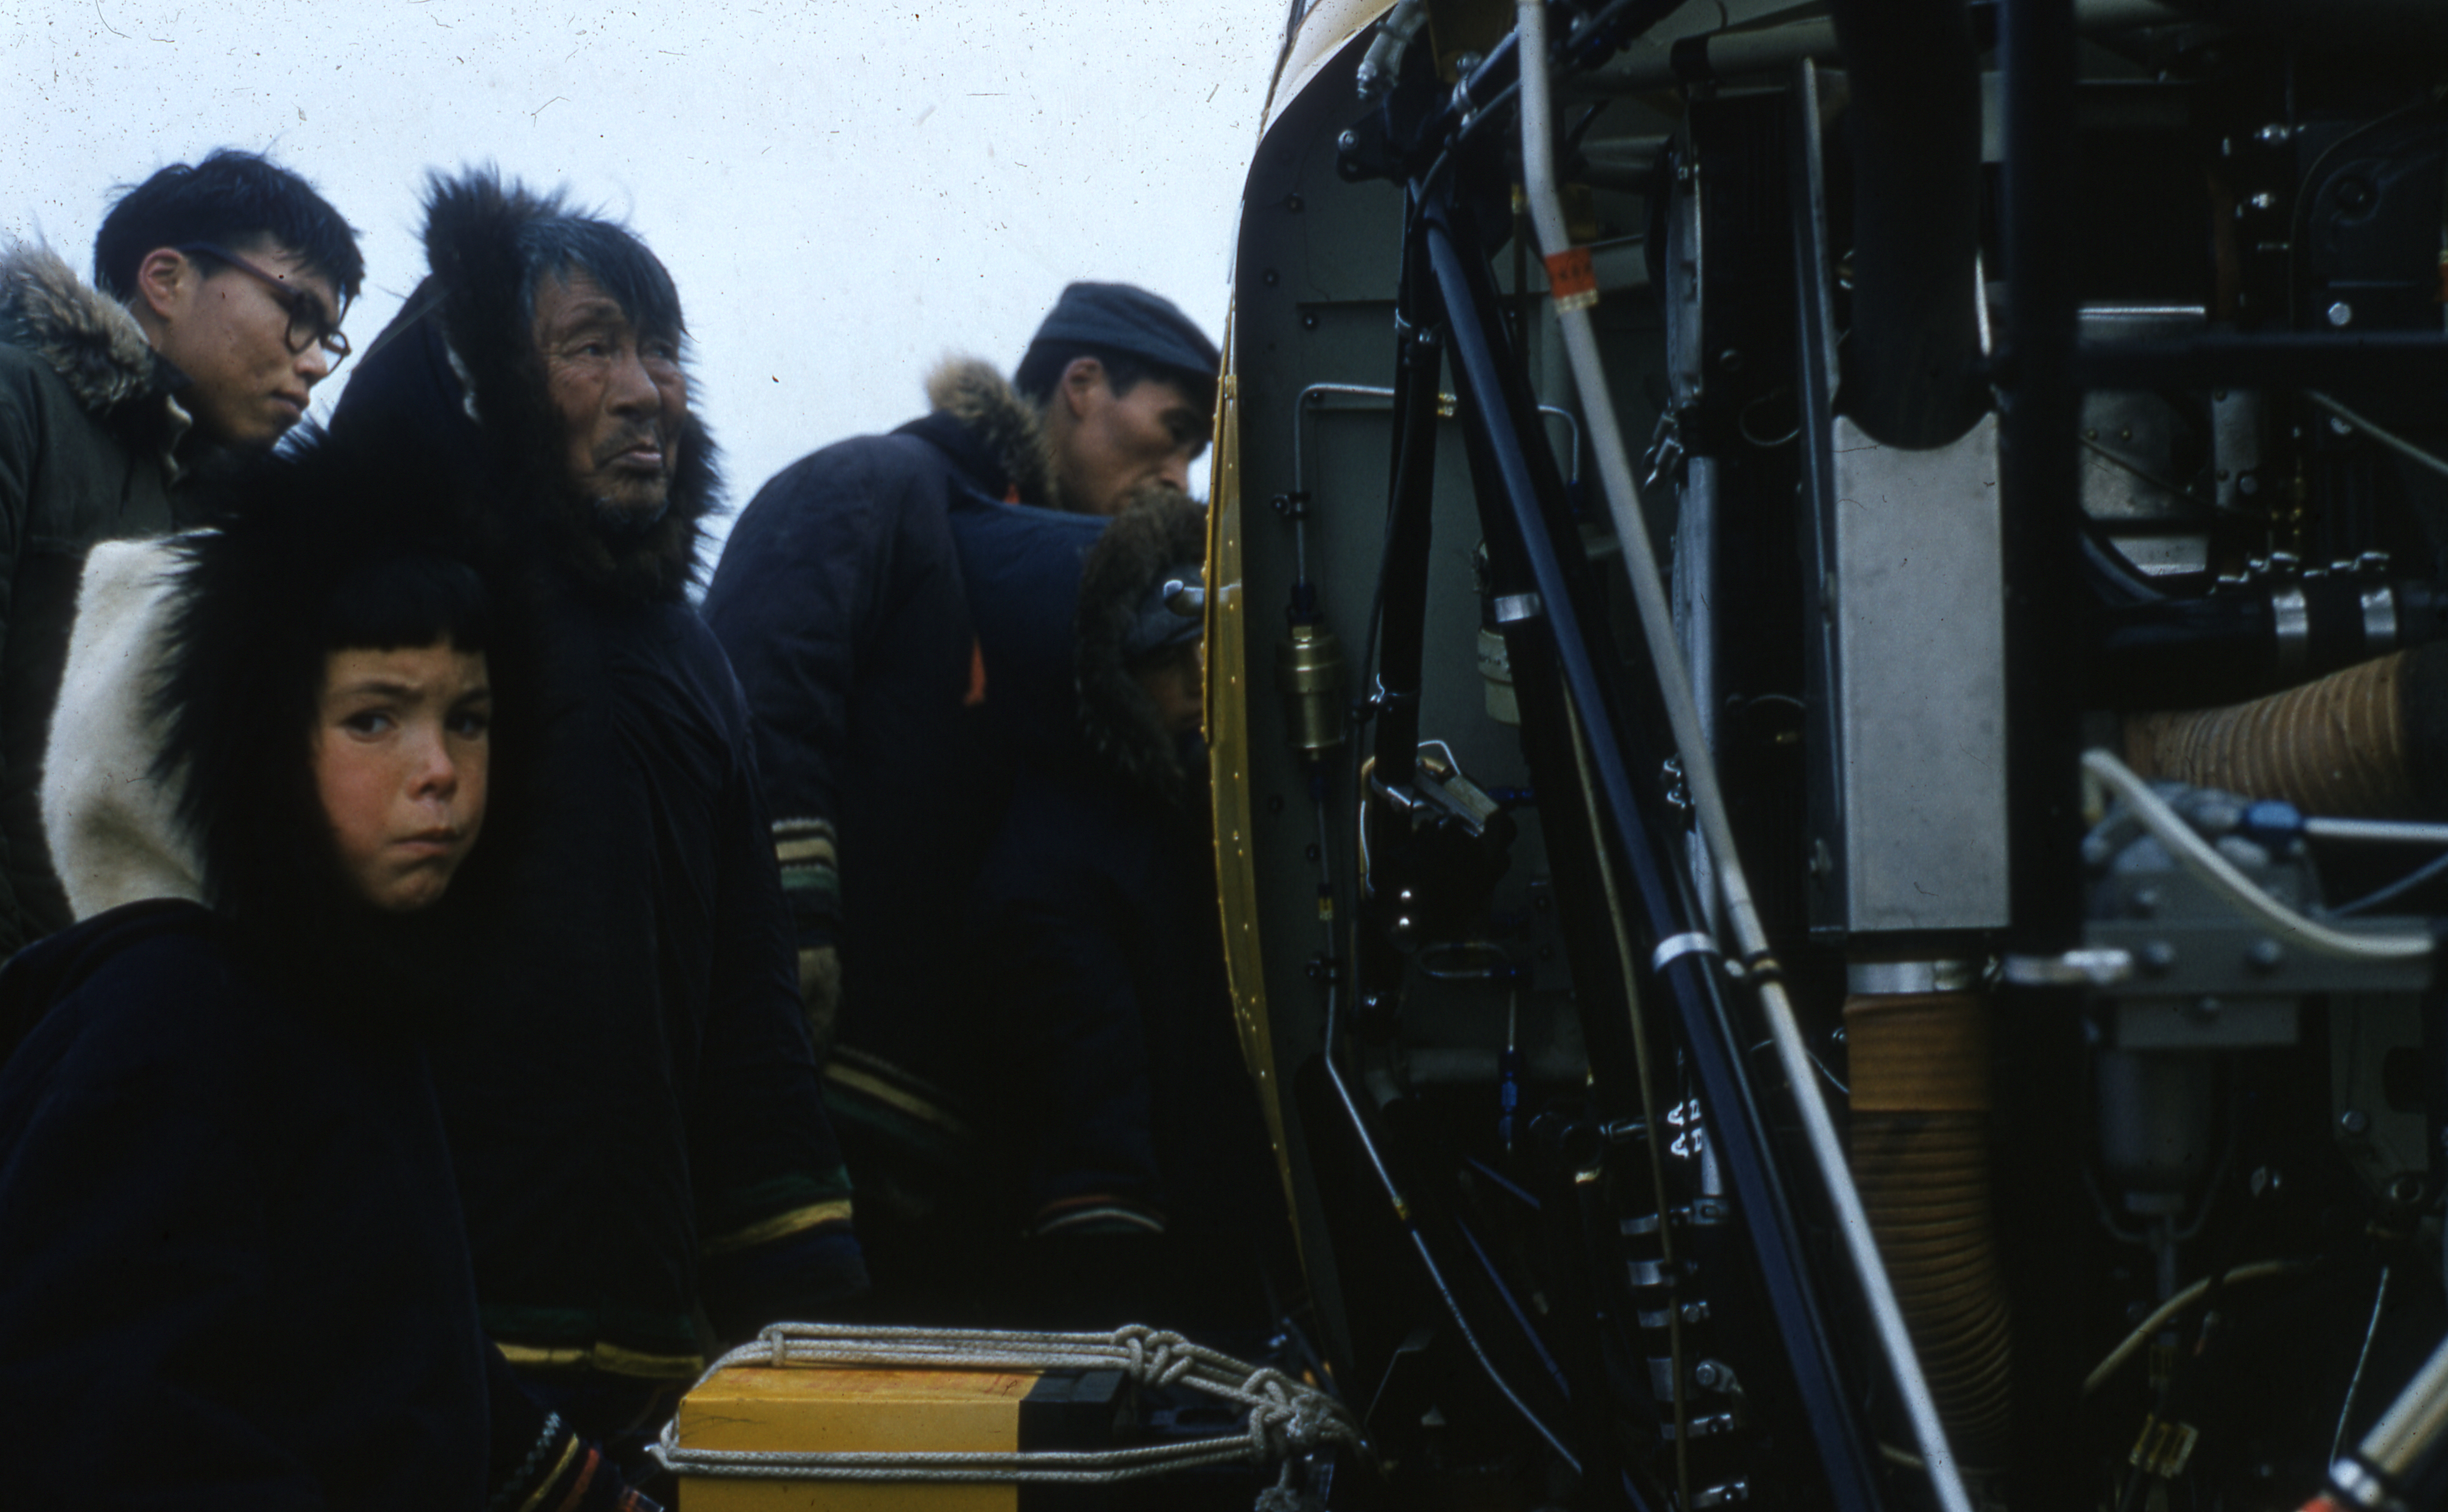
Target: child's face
(1175, 684)
(400, 752)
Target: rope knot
(1156, 1355)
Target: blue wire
(2395, 890)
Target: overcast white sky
(844, 192)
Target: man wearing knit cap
(886, 604)
(1126, 384)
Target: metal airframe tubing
(1736, 1121)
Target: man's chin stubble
(615, 518)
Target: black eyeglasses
(307, 325)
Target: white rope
(1286, 1417)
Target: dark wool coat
(87, 430)
(635, 1115)
(1141, 1167)
(843, 600)
(231, 1269)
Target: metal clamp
(1676, 946)
(2075, 968)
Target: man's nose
(632, 388)
(1175, 471)
(313, 364)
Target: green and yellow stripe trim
(781, 1225)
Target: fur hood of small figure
(240, 676)
(1160, 532)
(1007, 429)
(458, 369)
(87, 338)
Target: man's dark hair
(559, 245)
(1041, 370)
(230, 198)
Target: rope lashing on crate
(1286, 1416)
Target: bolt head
(2354, 1121)
(2341, 313)
(2157, 958)
(2265, 955)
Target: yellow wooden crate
(816, 1410)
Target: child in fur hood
(232, 1265)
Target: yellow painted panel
(1228, 746)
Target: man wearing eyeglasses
(220, 291)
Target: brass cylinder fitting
(1919, 1137)
(1309, 674)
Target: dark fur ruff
(243, 674)
(1160, 529)
(471, 240)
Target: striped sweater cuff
(804, 848)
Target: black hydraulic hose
(1911, 357)
(1403, 584)
(1410, 1224)
(1736, 1121)
(1513, 1304)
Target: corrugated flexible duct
(2370, 741)
(1919, 1137)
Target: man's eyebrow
(594, 313)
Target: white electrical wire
(2174, 1307)
(2217, 872)
(1699, 769)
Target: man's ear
(1082, 379)
(165, 281)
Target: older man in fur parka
(634, 1113)
(882, 703)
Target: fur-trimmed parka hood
(458, 369)
(243, 663)
(87, 338)
(1155, 538)
(1007, 445)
